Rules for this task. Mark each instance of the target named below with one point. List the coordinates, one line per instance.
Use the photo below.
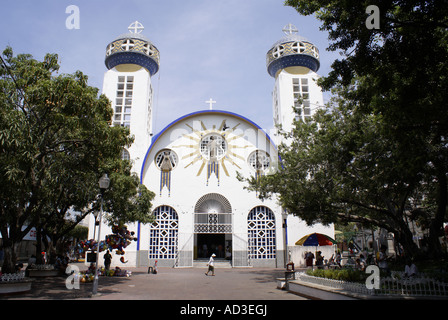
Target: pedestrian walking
(211, 265)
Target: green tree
(397, 73)
(340, 168)
(56, 142)
(126, 201)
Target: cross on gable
(211, 102)
(136, 27)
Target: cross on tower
(211, 102)
(290, 29)
(136, 27)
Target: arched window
(213, 214)
(261, 233)
(164, 233)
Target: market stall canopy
(315, 239)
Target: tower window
(315, 52)
(149, 49)
(127, 45)
(299, 47)
(125, 155)
(301, 98)
(110, 48)
(278, 51)
(124, 92)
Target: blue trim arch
(157, 136)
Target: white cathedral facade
(200, 206)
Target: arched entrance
(212, 226)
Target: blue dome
(133, 48)
(292, 50)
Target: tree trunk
(10, 256)
(435, 228)
(410, 248)
(51, 250)
(39, 257)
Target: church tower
(131, 60)
(293, 61)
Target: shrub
(349, 275)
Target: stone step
(218, 264)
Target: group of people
(361, 263)
(334, 261)
(320, 262)
(204, 251)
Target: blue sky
(209, 49)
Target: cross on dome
(136, 27)
(290, 29)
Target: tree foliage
(339, 167)
(55, 143)
(379, 152)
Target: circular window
(315, 52)
(299, 47)
(110, 48)
(259, 160)
(127, 45)
(213, 147)
(278, 51)
(149, 49)
(166, 160)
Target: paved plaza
(169, 284)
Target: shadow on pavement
(54, 288)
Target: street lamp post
(104, 184)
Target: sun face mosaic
(214, 148)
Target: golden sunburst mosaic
(214, 148)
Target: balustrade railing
(397, 284)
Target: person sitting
(19, 267)
(91, 268)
